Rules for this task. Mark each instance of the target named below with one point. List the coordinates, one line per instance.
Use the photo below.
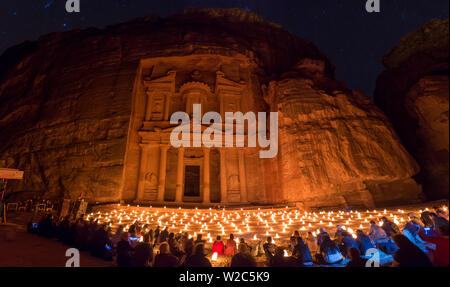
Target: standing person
(174, 246)
(157, 233)
(124, 251)
(218, 246)
(269, 248)
(164, 236)
(230, 246)
(151, 235)
(198, 260)
(355, 258)
(408, 254)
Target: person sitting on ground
(411, 231)
(376, 233)
(230, 246)
(441, 213)
(380, 239)
(278, 260)
(321, 236)
(243, 258)
(311, 241)
(198, 260)
(438, 221)
(218, 246)
(355, 258)
(242, 242)
(124, 251)
(164, 258)
(301, 253)
(389, 227)
(329, 252)
(338, 236)
(64, 230)
(47, 226)
(100, 240)
(143, 253)
(408, 254)
(440, 254)
(347, 242)
(116, 237)
(364, 242)
(269, 248)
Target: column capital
(164, 146)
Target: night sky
(354, 39)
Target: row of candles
(254, 224)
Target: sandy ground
(21, 249)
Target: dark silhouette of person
(302, 253)
(243, 258)
(124, 251)
(355, 258)
(199, 259)
(408, 254)
(143, 253)
(364, 242)
(164, 258)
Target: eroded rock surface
(336, 148)
(66, 104)
(413, 91)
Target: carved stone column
(162, 172)
(180, 171)
(242, 179)
(223, 177)
(142, 172)
(206, 177)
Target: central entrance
(192, 181)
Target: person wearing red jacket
(440, 256)
(218, 246)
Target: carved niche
(159, 92)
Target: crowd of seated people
(422, 241)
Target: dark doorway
(192, 181)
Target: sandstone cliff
(65, 107)
(65, 100)
(336, 147)
(413, 91)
